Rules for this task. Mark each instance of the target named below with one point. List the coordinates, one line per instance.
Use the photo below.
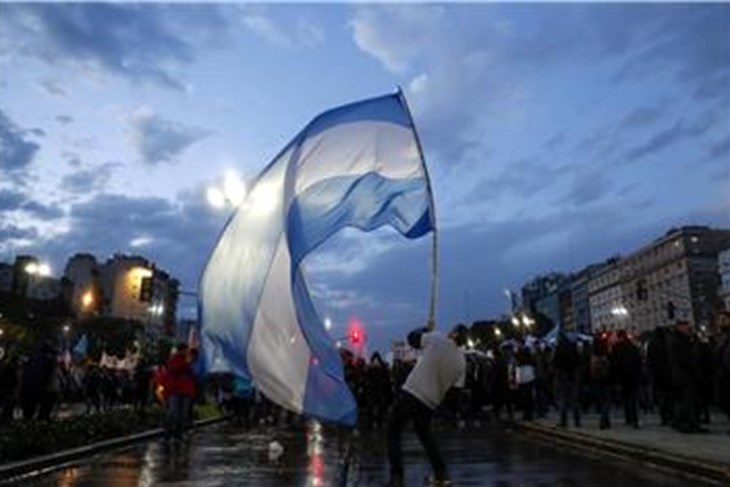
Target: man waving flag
(358, 165)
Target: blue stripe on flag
(366, 202)
(325, 397)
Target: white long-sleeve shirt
(441, 366)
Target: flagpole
(432, 212)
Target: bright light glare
(515, 321)
(87, 299)
(470, 343)
(31, 268)
(216, 198)
(265, 198)
(327, 324)
(44, 270)
(234, 189)
(497, 332)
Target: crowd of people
(674, 372)
(45, 382)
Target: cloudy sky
(556, 135)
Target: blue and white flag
(82, 346)
(359, 165)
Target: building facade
(605, 296)
(128, 287)
(723, 263)
(549, 295)
(580, 299)
(674, 277)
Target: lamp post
(621, 313)
(66, 330)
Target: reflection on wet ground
(226, 455)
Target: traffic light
(145, 290)
(355, 337)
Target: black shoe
(396, 482)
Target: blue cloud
(11, 200)
(87, 181)
(16, 151)
(160, 140)
(141, 42)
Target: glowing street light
(233, 192)
(620, 311)
(87, 299)
(470, 343)
(66, 329)
(38, 269)
(516, 321)
(216, 198)
(234, 189)
(497, 332)
(327, 324)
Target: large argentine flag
(358, 165)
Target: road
(224, 455)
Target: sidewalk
(703, 455)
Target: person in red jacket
(180, 390)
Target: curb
(707, 471)
(47, 463)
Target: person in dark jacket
(9, 388)
(566, 364)
(685, 377)
(721, 359)
(601, 379)
(36, 383)
(657, 356)
(703, 358)
(626, 366)
(379, 389)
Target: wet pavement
(225, 454)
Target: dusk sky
(556, 135)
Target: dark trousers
(526, 392)
(603, 403)
(177, 415)
(568, 393)
(629, 393)
(687, 418)
(665, 400)
(405, 409)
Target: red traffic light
(355, 333)
(355, 337)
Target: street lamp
(38, 269)
(87, 300)
(233, 192)
(516, 321)
(497, 332)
